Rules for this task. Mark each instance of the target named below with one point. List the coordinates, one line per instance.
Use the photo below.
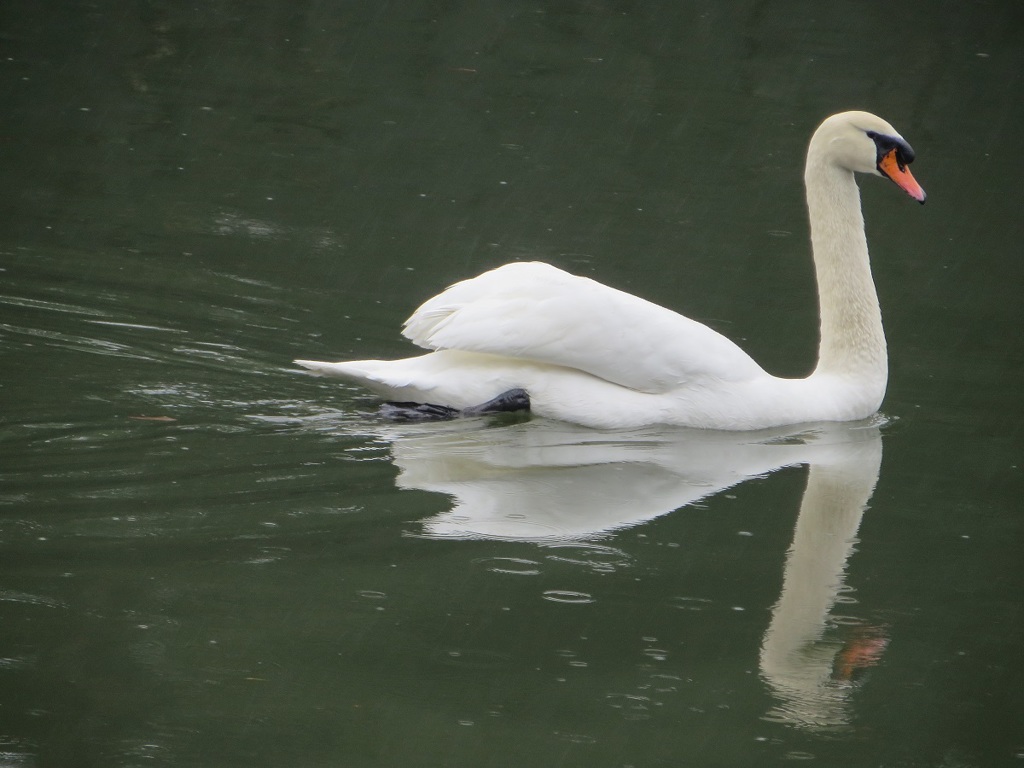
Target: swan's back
(533, 311)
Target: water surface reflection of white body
(546, 481)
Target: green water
(210, 558)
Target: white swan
(572, 349)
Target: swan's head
(865, 143)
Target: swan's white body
(594, 355)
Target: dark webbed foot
(506, 402)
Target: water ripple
(11, 596)
(471, 658)
(690, 603)
(632, 706)
(568, 596)
(515, 566)
(600, 559)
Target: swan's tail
(350, 370)
(376, 375)
(451, 378)
(388, 378)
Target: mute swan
(528, 335)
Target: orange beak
(889, 166)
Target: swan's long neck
(852, 340)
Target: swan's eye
(884, 144)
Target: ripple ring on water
(568, 596)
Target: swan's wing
(537, 312)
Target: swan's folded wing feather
(537, 312)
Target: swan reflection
(810, 674)
(546, 481)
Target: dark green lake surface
(210, 558)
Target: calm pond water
(210, 558)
